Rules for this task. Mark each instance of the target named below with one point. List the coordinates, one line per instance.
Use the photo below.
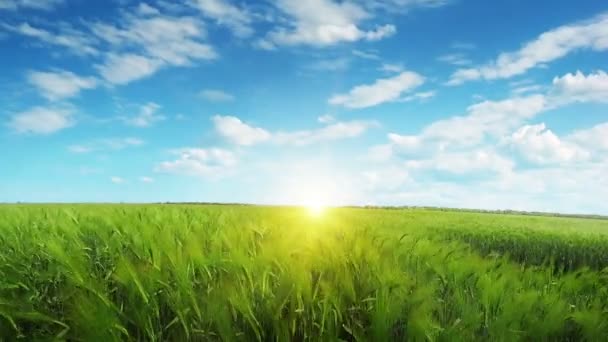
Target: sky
(451, 103)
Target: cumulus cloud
(540, 145)
(60, 84)
(381, 91)
(549, 46)
(579, 87)
(42, 120)
(484, 141)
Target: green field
(187, 272)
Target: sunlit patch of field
(135, 272)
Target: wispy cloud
(105, 144)
(334, 64)
(45, 5)
(549, 46)
(210, 162)
(57, 85)
(323, 23)
(421, 96)
(381, 91)
(458, 59)
(65, 36)
(118, 180)
(42, 120)
(216, 95)
(126, 68)
(161, 41)
(237, 19)
(366, 54)
(147, 116)
(241, 133)
(391, 68)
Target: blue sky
(457, 103)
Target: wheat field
(245, 273)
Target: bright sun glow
(315, 210)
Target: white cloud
(335, 64)
(212, 162)
(366, 54)
(334, 131)
(580, 88)
(145, 9)
(240, 133)
(106, 144)
(75, 41)
(593, 139)
(40, 120)
(174, 40)
(458, 59)
(323, 23)
(216, 95)
(117, 180)
(387, 67)
(399, 6)
(382, 90)
(123, 69)
(422, 96)
(390, 178)
(144, 44)
(540, 145)
(325, 119)
(148, 115)
(549, 46)
(146, 179)
(45, 5)
(61, 84)
(224, 13)
(526, 89)
(468, 162)
(487, 118)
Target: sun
(315, 210)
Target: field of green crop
(239, 273)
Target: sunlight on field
(246, 273)
(315, 210)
